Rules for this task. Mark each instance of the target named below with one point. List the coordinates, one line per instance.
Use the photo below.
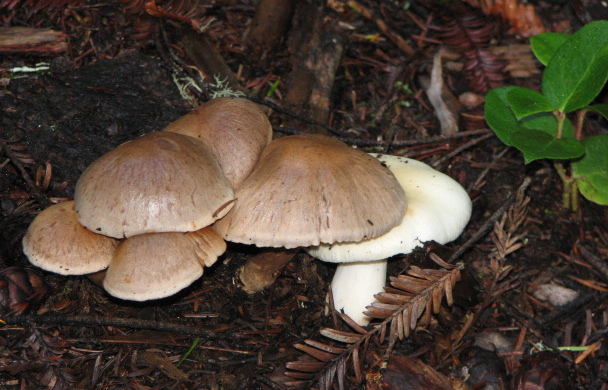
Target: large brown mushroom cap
(235, 129)
(56, 242)
(160, 182)
(308, 189)
(157, 265)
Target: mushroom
(235, 129)
(161, 190)
(157, 265)
(438, 209)
(160, 182)
(56, 242)
(308, 189)
(312, 189)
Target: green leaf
(538, 144)
(499, 115)
(601, 109)
(577, 71)
(545, 45)
(548, 123)
(591, 172)
(525, 102)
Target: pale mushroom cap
(235, 129)
(158, 265)
(308, 189)
(438, 209)
(56, 242)
(160, 182)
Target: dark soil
(116, 82)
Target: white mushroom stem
(354, 286)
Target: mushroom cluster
(157, 209)
(144, 209)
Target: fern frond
(419, 291)
(410, 296)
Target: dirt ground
(354, 70)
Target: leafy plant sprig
(539, 124)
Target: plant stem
(580, 118)
(574, 195)
(561, 118)
(570, 195)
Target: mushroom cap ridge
(308, 189)
(159, 182)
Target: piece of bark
(261, 270)
(270, 23)
(316, 48)
(37, 41)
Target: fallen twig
(597, 263)
(390, 34)
(60, 319)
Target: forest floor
(529, 308)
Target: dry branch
(38, 41)
(60, 319)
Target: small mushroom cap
(158, 265)
(308, 189)
(56, 242)
(438, 209)
(235, 129)
(161, 182)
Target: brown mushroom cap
(157, 265)
(308, 189)
(56, 242)
(160, 182)
(235, 129)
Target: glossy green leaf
(548, 123)
(537, 144)
(498, 114)
(525, 102)
(591, 171)
(601, 109)
(577, 71)
(545, 45)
